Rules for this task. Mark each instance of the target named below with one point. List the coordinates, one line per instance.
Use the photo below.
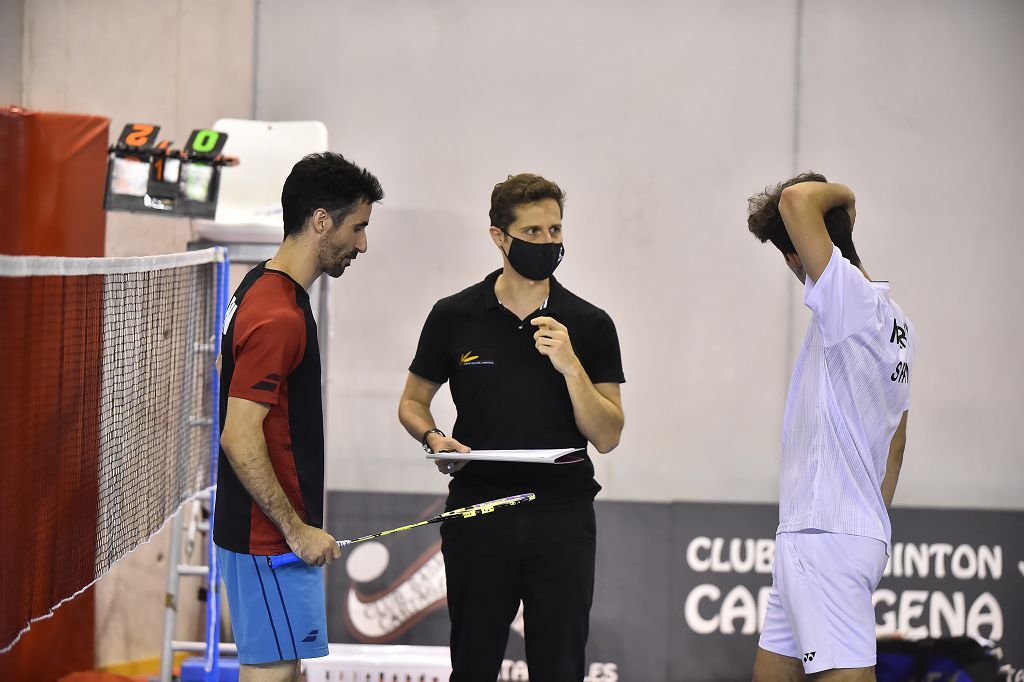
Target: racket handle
(283, 560)
(292, 558)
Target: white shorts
(819, 608)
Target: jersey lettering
(899, 334)
(902, 373)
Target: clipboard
(552, 456)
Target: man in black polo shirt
(531, 365)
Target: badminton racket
(461, 513)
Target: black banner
(681, 588)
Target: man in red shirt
(270, 482)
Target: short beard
(329, 267)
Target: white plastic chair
(249, 203)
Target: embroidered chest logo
(470, 358)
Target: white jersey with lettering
(850, 387)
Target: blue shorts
(276, 614)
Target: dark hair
(328, 181)
(524, 188)
(765, 221)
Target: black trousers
(542, 555)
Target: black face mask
(534, 261)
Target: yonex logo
(267, 384)
(311, 636)
(808, 657)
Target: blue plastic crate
(192, 670)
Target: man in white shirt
(843, 436)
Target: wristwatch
(426, 434)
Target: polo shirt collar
(553, 303)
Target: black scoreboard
(145, 175)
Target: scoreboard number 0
(206, 142)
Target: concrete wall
(12, 15)
(916, 105)
(180, 65)
(660, 118)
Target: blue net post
(212, 665)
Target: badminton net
(107, 414)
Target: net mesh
(106, 414)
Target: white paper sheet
(554, 456)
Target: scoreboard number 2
(139, 135)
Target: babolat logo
(471, 358)
(809, 656)
(267, 383)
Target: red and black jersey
(270, 355)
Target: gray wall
(12, 13)
(660, 118)
(180, 64)
(917, 105)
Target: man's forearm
(251, 464)
(597, 418)
(821, 197)
(415, 417)
(803, 208)
(892, 469)
(892, 475)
